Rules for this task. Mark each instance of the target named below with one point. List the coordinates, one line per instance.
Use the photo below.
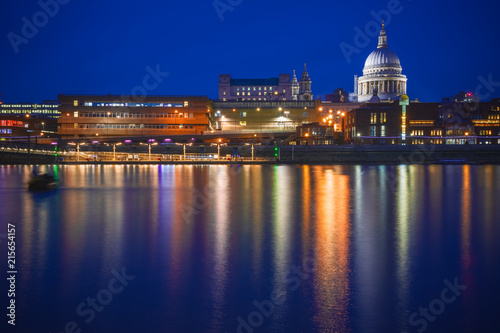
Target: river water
(193, 248)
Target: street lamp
(77, 149)
(114, 149)
(175, 122)
(343, 129)
(107, 124)
(260, 123)
(150, 143)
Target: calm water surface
(255, 249)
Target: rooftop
(255, 82)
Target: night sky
(100, 47)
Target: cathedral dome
(382, 60)
(382, 57)
(382, 78)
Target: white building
(381, 75)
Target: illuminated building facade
(264, 116)
(47, 109)
(21, 127)
(447, 122)
(273, 89)
(126, 116)
(316, 134)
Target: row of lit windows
(373, 130)
(34, 108)
(260, 93)
(436, 132)
(132, 126)
(417, 133)
(244, 114)
(30, 106)
(6, 131)
(373, 118)
(486, 142)
(494, 116)
(11, 123)
(31, 111)
(132, 115)
(254, 88)
(164, 105)
(260, 99)
(485, 132)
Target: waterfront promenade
(246, 154)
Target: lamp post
(260, 123)
(218, 148)
(107, 124)
(343, 124)
(175, 122)
(77, 149)
(114, 150)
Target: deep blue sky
(101, 46)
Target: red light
(469, 94)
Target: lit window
(243, 123)
(75, 103)
(186, 104)
(382, 130)
(383, 117)
(75, 114)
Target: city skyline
(107, 54)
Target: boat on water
(44, 182)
